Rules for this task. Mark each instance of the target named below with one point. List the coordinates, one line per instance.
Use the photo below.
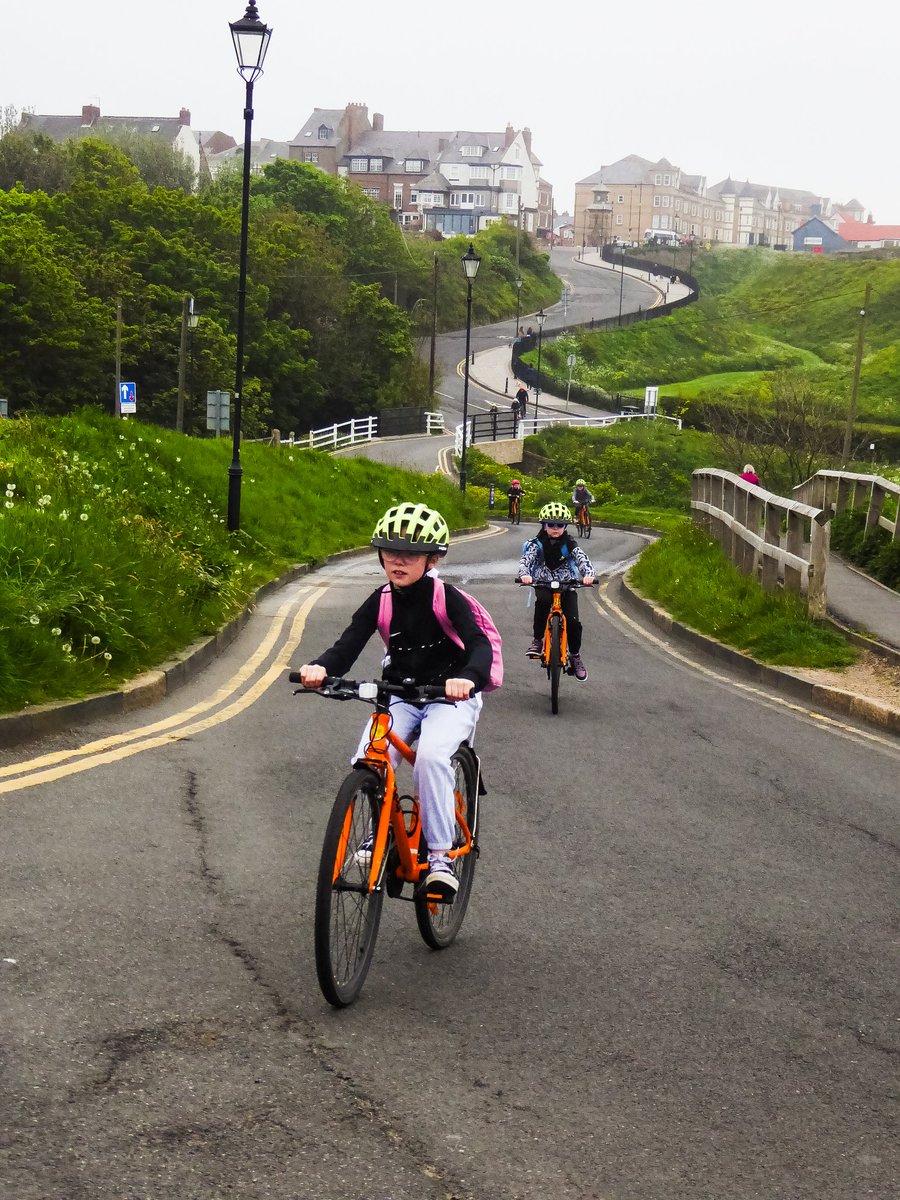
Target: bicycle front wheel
(347, 913)
(440, 923)
(555, 663)
(587, 523)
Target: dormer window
(324, 133)
(413, 165)
(471, 151)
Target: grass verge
(687, 573)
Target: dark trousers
(543, 601)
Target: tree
(157, 163)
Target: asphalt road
(677, 979)
(595, 293)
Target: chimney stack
(510, 135)
(526, 138)
(377, 122)
(185, 116)
(89, 114)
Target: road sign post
(4, 407)
(127, 398)
(218, 412)
(570, 363)
(651, 399)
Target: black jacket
(418, 649)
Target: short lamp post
(251, 41)
(540, 318)
(471, 262)
(518, 282)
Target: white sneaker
(363, 855)
(440, 879)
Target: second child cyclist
(555, 554)
(580, 496)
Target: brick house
(455, 182)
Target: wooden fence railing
(837, 490)
(765, 535)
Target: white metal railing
(348, 433)
(747, 521)
(837, 490)
(434, 422)
(531, 425)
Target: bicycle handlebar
(563, 585)
(334, 687)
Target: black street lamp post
(251, 41)
(621, 281)
(471, 262)
(540, 318)
(518, 282)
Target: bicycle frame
(392, 816)
(556, 610)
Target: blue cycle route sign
(128, 397)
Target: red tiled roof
(860, 231)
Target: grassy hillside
(114, 552)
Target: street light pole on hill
(251, 41)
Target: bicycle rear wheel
(587, 523)
(440, 923)
(347, 913)
(555, 663)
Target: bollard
(491, 496)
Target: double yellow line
(49, 768)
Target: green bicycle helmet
(412, 527)
(554, 511)
(580, 483)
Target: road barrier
(766, 536)
(838, 490)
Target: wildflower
(9, 503)
(43, 501)
(95, 641)
(84, 516)
(107, 655)
(67, 647)
(64, 515)
(10, 487)
(56, 631)
(34, 619)
(177, 459)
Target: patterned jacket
(560, 558)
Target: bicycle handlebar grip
(294, 677)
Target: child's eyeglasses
(555, 524)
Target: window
(657, 201)
(359, 164)
(372, 193)
(657, 179)
(414, 197)
(413, 165)
(667, 179)
(620, 199)
(311, 156)
(471, 151)
(376, 164)
(398, 197)
(324, 133)
(508, 171)
(667, 201)
(812, 241)
(618, 218)
(478, 173)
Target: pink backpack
(483, 620)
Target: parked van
(662, 237)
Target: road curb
(154, 685)
(882, 716)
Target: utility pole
(118, 402)
(433, 324)
(857, 367)
(182, 364)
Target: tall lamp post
(621, 280)
(540, 318)
(471, 262)
(251, 41)
(518, 282)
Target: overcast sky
(779, 92)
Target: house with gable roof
(452, 182)
(758, 214)
(174, 131)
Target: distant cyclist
(555, 554)
(514, 492)
(580, 497)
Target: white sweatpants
(441, 728)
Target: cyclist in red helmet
(514, 491)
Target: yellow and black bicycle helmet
(412, 527)
(554, 511)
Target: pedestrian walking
(522, 397)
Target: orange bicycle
(373, 844)
(583, 520)
(555, 648)
(515, 510)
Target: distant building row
(452, 182)
(625, 199)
